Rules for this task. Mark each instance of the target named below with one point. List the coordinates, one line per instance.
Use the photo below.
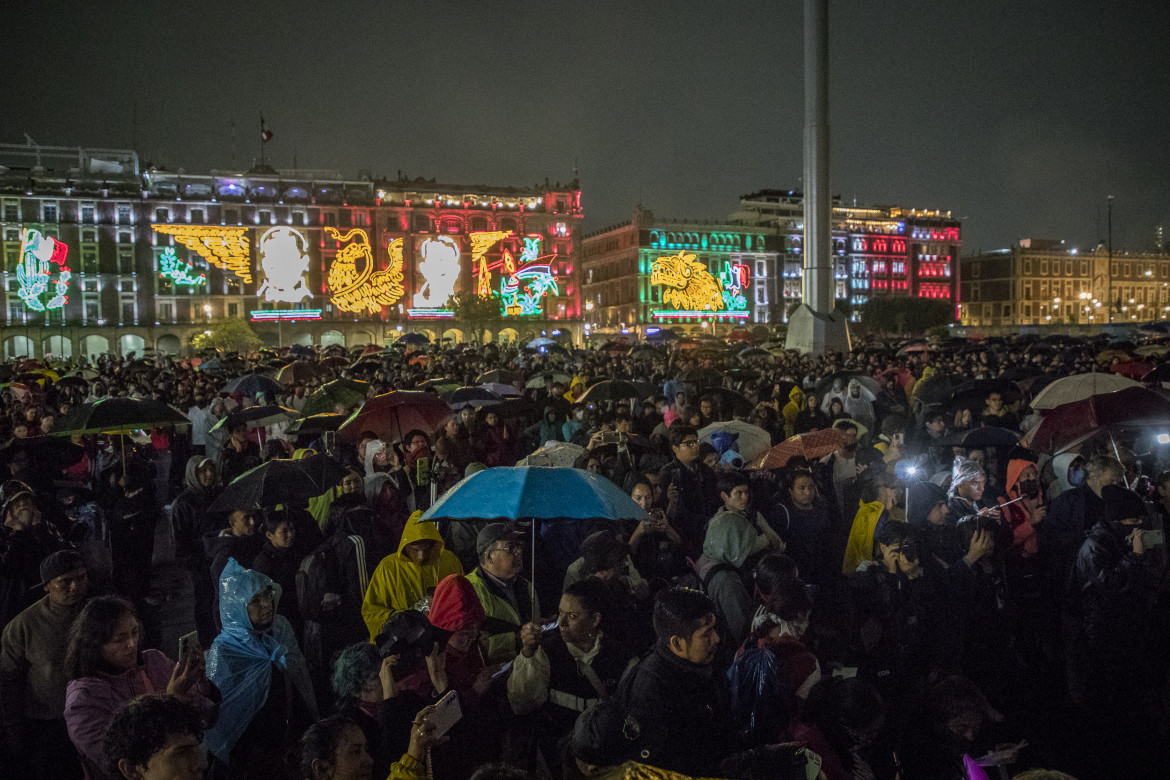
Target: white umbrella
(1079, 387)
(747, 439)
(540, 342)
(558, 454)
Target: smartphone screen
(187, 645)
(446, 713)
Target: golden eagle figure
(354, 285)
(688, 285)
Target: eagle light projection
(687, 284)
(353, 283)
(284, 258)
(224, 247)
(39, 257)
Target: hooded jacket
(241, 658)
(400, 584)
(869, 518)
(730, 541)
(1017, 515)
(792, 410)
(189, 516)
(1060, 468)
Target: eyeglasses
(514, 549)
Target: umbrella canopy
(116, 415)
(278, 481)
(730, 402)
(412, 338)
(917, 349)
(256, 417)
(555, 376)
(1134, 369)
(700, 378)
(535, 493)
(1079, 387)
(1153, 350)
(507, 391)
(317, 423)
(609, 390)
(754, 352)
(392, 414)
(540, 342)
(975, 393)
(1160, 374)
(298, 372)
(497, 376)
(979, 438)
(1132, 407)
(471, 396)
(47, 453)
(645, 351)
(810, 446)
(251, 384)
(347, 392)
(71, 380)
(746, 439)
(558, 454)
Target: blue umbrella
(250, 384)
(535, 493)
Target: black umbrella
(975, 393)
(497, 376)
(46, 453)
(699, 378)
(979, 438)
(257, 417)
(251, 384)
(731, 403)
(74, 380)
(471, 396)
(277, 481)
(116, 415)
(609, 390)
(318, 423)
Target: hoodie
(1060, 467)
(241, 658)
(792, 410)
(730, 541)
(399, 583)
(189, 516)
(1017, 515)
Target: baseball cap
(602, 551)
(56, 564)
(496, 532)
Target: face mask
(1076, 477)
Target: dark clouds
(1019, 116)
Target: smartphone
(446, 714)
(611, 437)
(1153, 538)
(188, 646)
(502, 669)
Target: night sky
(1019, 117)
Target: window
(90, 285)
(346, 218)
(233, 309)
(162, 215)
(89, 260)
(16, 312)
(264, 218)
(1028, 267)
(760, 268)
(88, 212)
(123, 213)
(1027, 291)
(1068, 268)
(49, 212)
(478, 225)
(231, 216)
(126, 285)
(89, 236)
(422, 223)
(125, 260)
(1128, 269)
(93, 309)
(329, 219)
(11, 211)
(197, 216)
(166, 312)
(361, 219)
(1043, 267)
(11, 258)
(1084, 268)
(12, 234)
(298, 217)
(125, 237)
(129, 311)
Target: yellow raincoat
(792, 410)
(398, 583)
(860, 545)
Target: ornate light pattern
(687, 284)
(284, 258)
(480, 244)
(178, 271)
(353, 289)
(38, 256)
(224, 247)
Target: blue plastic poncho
(240, 659)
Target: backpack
(315, 575)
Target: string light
(353, 290)
(227, 248)
(178, 271)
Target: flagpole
(261, 139)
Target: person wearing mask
(690, 488)
(407, 578)
(504, 594)
(155, 737)
(1068, 468)
(562, 674)
(191, 523)
(256, 662)
(682, 704)
(279, 560)
(878, 508)
(32, 673)
(1023, 508)
(107, 668)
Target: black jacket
(1111, 591)
(698, 500)
(684, 711)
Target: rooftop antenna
(233, 144)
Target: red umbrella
(393, 414)
(1134, 369)
(1064, 425)
(810, 446)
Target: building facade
(647, 273)
(100, 255)
(1046, 282)
(877, 251)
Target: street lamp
(207, 310)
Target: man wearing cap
(32, 671)
(25, 540)
(505, 595)
(192, 522)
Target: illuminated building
(1048, 282)
(877, 250)
(691, 276)
(308, 256)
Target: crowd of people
(893, 585)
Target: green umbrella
(347, 392)
(118, 415)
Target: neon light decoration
(480, 244)
(878, 245)
(430, 314)
(38, 255)
(284, 258)
(689, 286)
(354, 290)
(734, 278)
(178, 271)
(286, 315)
(521, 289)
(439, 269)
(224, 247)
(668, 314)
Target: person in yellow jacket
(508, 599)
(409, 576)
(791, 410)
(878, 506)
(576, 389)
